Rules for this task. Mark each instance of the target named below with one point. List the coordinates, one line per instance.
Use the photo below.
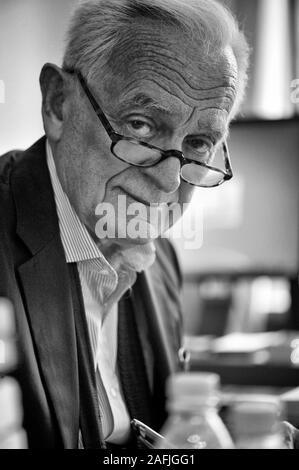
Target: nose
(166, 175)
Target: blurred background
(243, 280)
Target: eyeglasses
(141, 154)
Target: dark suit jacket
(35, 276)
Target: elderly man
(139, 110)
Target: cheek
(98, 165)
(96, 145)
(100, 174)
(102, 161)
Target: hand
(12, 436)
(291, 435)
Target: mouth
(138, 199)
(146, 203)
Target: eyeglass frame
(115, 137)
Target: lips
(138, 199)
(145, 202)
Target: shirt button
(113, 392)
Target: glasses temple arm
(93, 102)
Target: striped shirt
(102, 286)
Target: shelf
(234, 275)
(254, 121)
(249, 374)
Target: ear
(54, 87)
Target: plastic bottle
(193, 421)
(255, 425)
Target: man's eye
(139, 128)
(200, 145)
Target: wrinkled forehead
(173, 62)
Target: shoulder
(8, 162)
(16, 166)
(18, 162)
(7, 222)
(22, 160)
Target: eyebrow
(146, 102)
(215, 128)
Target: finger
(290, 434)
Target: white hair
(99, 26)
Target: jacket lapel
(162, 343)
(46, 285)
(149, 308)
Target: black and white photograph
(149, 228)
